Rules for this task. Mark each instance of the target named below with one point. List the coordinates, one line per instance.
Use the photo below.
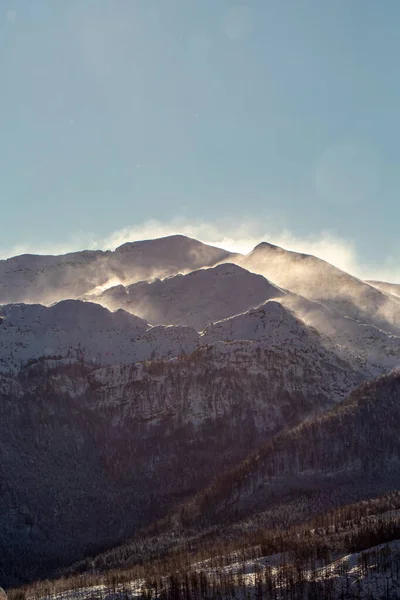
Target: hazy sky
(283, 114)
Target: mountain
(209, 295)
(362, 343)
(196, 299)
(350, 453)
(109, 449)
(180, 393)
(296, 321)
(46, 279)
(90, 332)
(74, 328)
(317, 280)
(272, 322)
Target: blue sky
(278, 116)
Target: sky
(228, 121)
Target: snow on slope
(224, 299)
(358, 317)
(270, 321)
(371, 574)
(264, 341)
(168, 254)
(389, 288)
(74, 327)
(48, 279)
(275, 324)
(367, 575)
(29, 331)
(318, 280)
(366, 343)
(302, 363)
(196, 299)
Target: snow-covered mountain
(107, 449)
(178, 362)
(196, 299)
(271, 322)
(318, 280)
(276, 326)
(74, 328)
(357, 340)
(48, 279)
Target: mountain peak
(267, 246)
(168, 239)
(178, 241)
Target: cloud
(234, 236)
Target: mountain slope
(362, 343)
(349, 453)
(318, 280)
(390, 288)
(73, 328)
(196, 299)
(110, 449)
(224, 418)
(47, 279)
(76, 328)
(271, 322)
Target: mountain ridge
(50, 278)
(195, 299)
